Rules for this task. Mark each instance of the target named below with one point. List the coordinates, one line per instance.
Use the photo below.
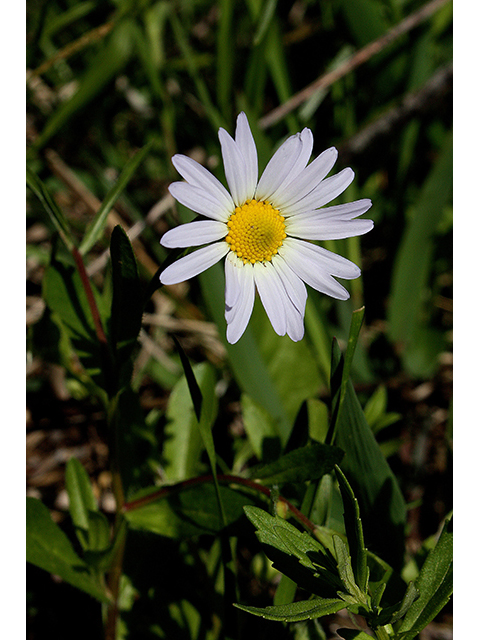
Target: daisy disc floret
(264, 228)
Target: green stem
(382, 633)
(115, 572)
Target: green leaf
(434, 585)
(353, 634)
(52, 209)
(225, 56)
(296, 611)
(341, 373)
(127, 305)
(373, 482)
(64, 294)
(345, 571)
(97, 225)
(397, 612)
(267, 13)
(285, 591)
(50, 549)
(98, 531)
(81, 499)
(296, 554)
(183, 441)
(206, 410)
(194, 389)
(365, 19)
(300, 465)
(354, 531)
(413, 262)
(189, 512)
(260, 428)
(127, 300)
(375, 410)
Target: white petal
(310, 271)
(295, 326)
(272, 294)
(200, 201)
(317, 228)
(331, 262)
(326, 191)
(195, 174)
(306, 136)
(347, 211)
(246, 144)
(308, 179)
(279, 167)
(233, 265)
(294, 286)
(194, 263)
(238, 316)
(307, 147)
(235, 168)
(194, 234)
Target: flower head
(263, 228)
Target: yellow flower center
(256, 231)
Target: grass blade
(97, 225)
(51, 208)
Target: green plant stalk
(115, 572)
(113, 584)
(382, 633)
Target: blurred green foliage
(114, 89)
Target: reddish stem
(102, 338)
(224, 479)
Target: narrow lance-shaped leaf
(204, 412)
(354, 531)
(344, 563)
(97, 225)
(434, 584)
(193, 387)
(296, 611)
(341, 372)
(81, 499)
(52, 209)
(375, 486)
(413, 261)
(127, 305)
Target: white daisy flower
(263, 227)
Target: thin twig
(361, 56)
(415, 102)
(71, 180)
(73, 47)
